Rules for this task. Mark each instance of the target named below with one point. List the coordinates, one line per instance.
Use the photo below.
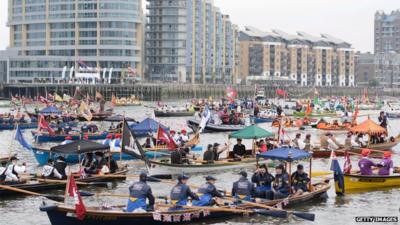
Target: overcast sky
(350, 20)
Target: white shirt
(332, 145)
(48, 170)
(17, 169)
(301, 144)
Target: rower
(116, 143)
(297, 142)
(13, 170)
(207, 192)
(263, 179)
(112, 127)
(181, 191)
(307, 143)
(360, 141)
(60, 165)
(184, 138)
(383, 120)
(88, 161)
(107, 141)
(366, 163)
(85, 128)
(239, 150)
(349, 143)
(111, 162)
(68, 139)
(101, 165)
(280, 188)
(300, 181)
(208, 155)
(50, 172)
(138, 192)
(243, 189)
(217, 150)
(386, 165)
(328, 142)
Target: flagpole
(12, 140)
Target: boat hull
(359, 183)
(159, 113)
(61, 137)
(261, 120)
(194, 125)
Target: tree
(373, 83)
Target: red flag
(231, 94)
(281, 92)
(347, 163)
(308, 110)
(43, 100)
(354, 122)
(162, 134)
(44, 125)
(80, 209)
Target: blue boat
(40, 137)
(32, 125)
(257, 120)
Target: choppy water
(24, 210)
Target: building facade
(387, 32)
(190, 41)
(365, 69)
(56, 39)
(387, 69)
(305, 59)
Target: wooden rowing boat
(185, 113)
(46, 137)
(65, 215)
(194, 125)
(40, 186)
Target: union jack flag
(157, 216)
(167, 218)
(177, 217)
(187, 217)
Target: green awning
(251, 132)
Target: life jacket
(300, 180)
(243, 188)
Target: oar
(149, 178)
(303, 215)
(51, 197)
(77, 182)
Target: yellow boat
(361, 183)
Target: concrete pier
(158, 92)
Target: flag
(205, 117)
(355, 115)
(347, 163)
(21, 140)
(57, 98)
(308, 110)
(84, 66)
(132, 71)
(338, 177)
(130, 144)
(281, 92)
(80, 209)
(66, 98)
(50, 97)
(162, 134)
(85, 111)
(231, 94)
(44, 125)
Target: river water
(24, 210)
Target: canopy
(368, 127)
(285, 154)
(146, 126)
(79, 147)
(251, 132)
(50, 110)
(118, 118)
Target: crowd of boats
(84, 154)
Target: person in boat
(13, 171)
(138, 193)
(112, 163)
(107, 141)
(349, 143)
(360, 140)
(218, 151)
(243, 189)
(184, 138)
(207, 193)
(307, 143)
(280, 187)
(383, 120)
(366, 163)
(148, 143)
(116, 143)
(181, 192)
(61, 166)
(263, 179)
(208, 155)
(297, 142)
(88, 161)
(93, 128)
(68, 139)
(300, 181)
(262, 146)
(67, 129)
(50, 172)
(386, 165)
(84, 128)
(239, 150)
(112, 127)
(101, 163)
(328, 142)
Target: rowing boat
(315, 114)
(39, 186)
(360, 183)
(46, 137)
(65, 215)
(182, 113)
(194, 125)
